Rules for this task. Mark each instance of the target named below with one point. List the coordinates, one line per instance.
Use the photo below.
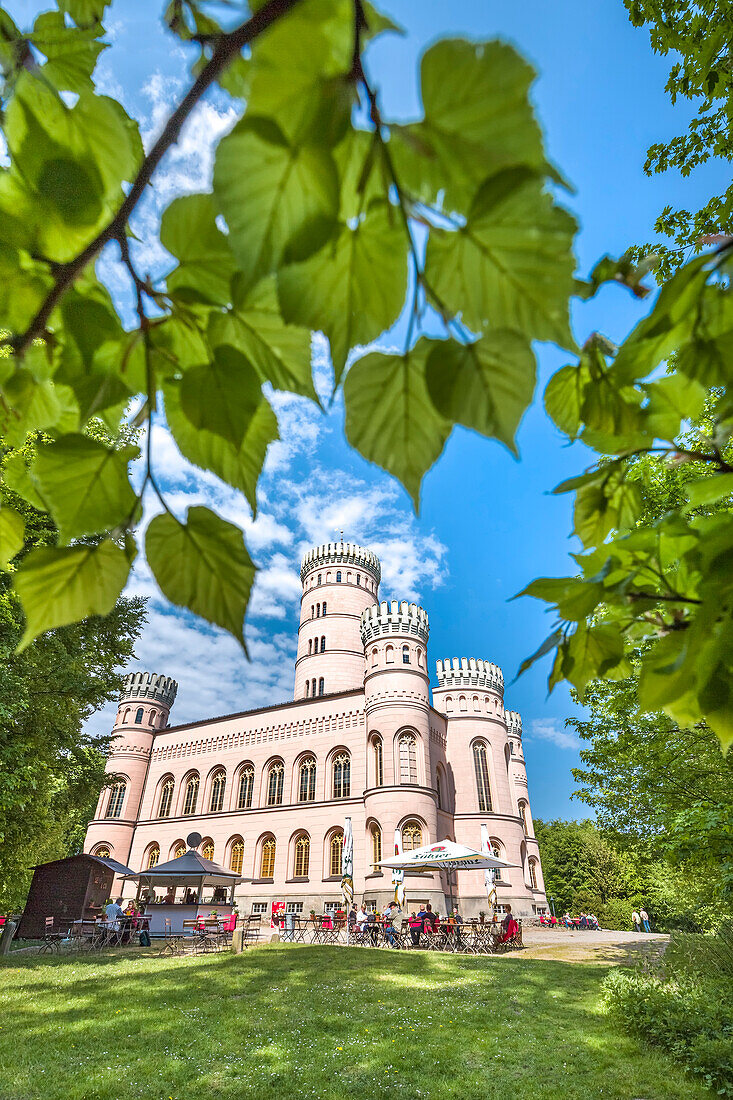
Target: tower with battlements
(269, 790)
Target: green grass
(292, 1022)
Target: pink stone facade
(269, 789)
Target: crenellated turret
(469, 672)
(392, 618)
(341, 553)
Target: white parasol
(347, 864)
(489, 873)
(398, 876)
(446, 855)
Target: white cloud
(553, 730)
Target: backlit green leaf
(222, 396)
(390, 418)
(709, 490)
(202, 564)
(189, 232)
(61, 585)
(486, 385)
(12, 529)
(71, 53)
(511, 266)
(85, 485)
(564, 397)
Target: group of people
(585, 920)
(127, 920)
(425, 921)
(640, 921)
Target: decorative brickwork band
(513, 723)
(392, 618)
(149, 685)
(470, 672)
(341, 553)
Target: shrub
(684, 1006)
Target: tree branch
(226, 49)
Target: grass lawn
(287, 1022)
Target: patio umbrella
(446, 855)
(489, 873)
(347, 864)
(398, 876)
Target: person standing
(636, 920)
(644, 917)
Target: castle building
(269, 789)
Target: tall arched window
(307, 783)
(389, 654)
(179, 850)
(302, 856)
(408, 758)
(218, 786)
(338, 577)
(481, 768)
(374, 658)
(208, 850)
(378, 762)
(307, 688)
(275, 784)
(439, 788)
(533, 874)
(318, 611)
(323, 643)
(376, 847)
(246, 787)
(191, 796)
(336, 849)
(236, 857)
(324, 608)
(405, 655)
(321, 686)
(267, 858)
(523, 815)
(342, 775)
(152, 717)
(139, 714)
(153, 856)
(411, 836)
(310, 646)
(116, 798)
(313, 686)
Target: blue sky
(487, 524)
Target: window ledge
(258, 881)
(297, 878)
(375, 874)
(331, 878)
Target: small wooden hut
(75, 888)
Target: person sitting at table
(352, 918)
(429, 917)
(567, 920)
(112, 914)
(509, 926)
(170, 897)
(373, 926)
(362, 917)
(583, 923)
(593, 922)
(414, 923)
(388, 916)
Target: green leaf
(552, 641)
(478, 120)
(85, 485)
(575, 598)
(61, 585)
(71, 53)
(335, 290)
(206, 265)
(709, 353)
(591, 652)
(511, 265)
(30, 405)
(486, 385)
(16, 477)
(271, 193)
(564, 397)
(601, 506)
(390, 418)
(12, 531)
(672, 400)
(240, 467)
(84, 12)
(222, 396)
(203, 565)
(279, 353)
(709, 490)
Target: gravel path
(596, 947)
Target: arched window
(153, 856)
(376, 847)
(408, 758)
(139, 714)
(411, 836)
(449, 702)
(236, 857)
(497, 850)
(307, 785)
(208, 850)
(338, 577)
(267, 858)
(313, 687)
(336, 850)
(533, 873)
(462, 704)
(275, 785)
(102, 851)
(179, 850)
(342, 775)
(405, 655)
(127, 715)
(318, 611)
(218, 786)
(358, 579)
(323, 643)
(152, 717)
(439, 788)
(246, 787)
(310, 646)
(302, 856)
(476, 703)
(378, 762)
(307, 688)
(374, 658)
(319, 577)
(321, 686)
(419, 658)
(312, 611)
(191, 796)
(481, 768)
(523, 815)
(389, 655)
(324, 607)
(116, 798)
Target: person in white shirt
(361, 918)
(112, 913)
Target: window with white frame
(259, 907)
(293, 906)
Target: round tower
(401, 769)
(144, 707)
(340, 579)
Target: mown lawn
(294, 1022)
